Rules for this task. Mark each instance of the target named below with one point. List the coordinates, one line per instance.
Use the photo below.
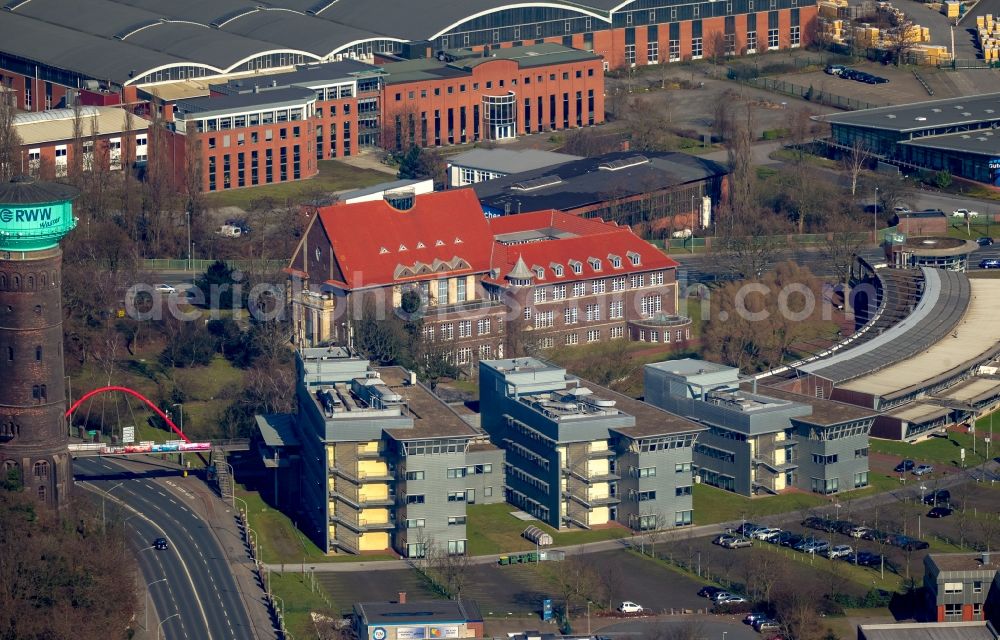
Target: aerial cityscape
(562, 320)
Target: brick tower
(34, 216)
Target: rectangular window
(597, 286)
(618, 284)
(696, 51)
(456, 547)
(459, 472)
(645, 496)
(953, 587)
(617, 332)
(751, 42)
(571, 338)
(682, 467)
(559, 292)
(637, 280)
(977, 586)
(456, 520)
(414, 475)
(860, 479)
(674, 49)
(571, 315)
(630, 54)
(464, 355)
(465, 328)
(682, 491)
(795, 36)
(646, 472)
(682, 518)
(772, 39)
(544, 319)
(594, 335)
(416, 498)
(861, 453)
(593, 312)
(652, 52)
(460, 293)
(447, 331)
(579, 289)
(456, 496)
(541, 294)
(483, 326)
(953, 609)
(415, 523)
(442, 292)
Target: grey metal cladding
(435, 487)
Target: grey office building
(763, 440)
(578, 455)
(384, 462)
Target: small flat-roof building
(418, 620)
(922, 223)
(962, 586)
(941, 252)
(479, 165)
(673, 190)
(954, 134)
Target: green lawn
(333, 176)
(295, 591)
(281, 541)
(940, 451)
(713, 505)
(861, 575)
(977, 228)
(491, 529)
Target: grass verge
(716, 505)
(491, 529)
(940, 451)
(333, 176)
(300, 599)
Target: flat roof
(526, 56)
(217, 105)
(965, 561)
(580, 183)
(304, 75)
(983, 142)
(918, 412)
(509, 160)
(972, 390)
(939, 246)
(277, 429)
(417, 611)
(916, 116)
(944, 300)
(432, 417)
(976, 334)
(929, 631)
(824, 412)
(56, 125)
(689, 366)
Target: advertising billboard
(411, 633)
(450, 631)
(995, 172)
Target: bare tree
(855, 160)
(844, 237)
(574, 579)
(10, 141)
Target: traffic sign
(128, 434)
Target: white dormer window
(595, 263)
(458, 240)
(402, 247)
(439, 243)
(382, 250)
(539, 272)
(616, 261)
(577, 267)
(635, 258)
(421, 245)
(557, 270)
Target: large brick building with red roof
(528, 281)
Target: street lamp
(588, 616)
(148, 586)
(159, 628)
(181, 405)
(190, 264)
(876, 215)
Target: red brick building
(532, 281)
(495, 95)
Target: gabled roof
(442, 235)
(546, 238)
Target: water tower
(34, 216)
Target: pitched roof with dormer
(443, 234)
(558, 247)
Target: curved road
(199, 586)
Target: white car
(839, 551)
(765, 534)
(165, 288)
(630, 607)
(961, 213)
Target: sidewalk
(221, 520)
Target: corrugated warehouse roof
(57, 125)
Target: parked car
(745, 528)
(816, 546)
(720, 596)
(964, 213)
(160, 544)
(754, 617)
(904, 466)
(858, 531)
(722, 539)
(881, 80)
(939, 512)
(738, 543)
(790, 540)
(630, 607)
(766, 533)
(732, 600)
(941, 496)
(834, 69)
(984, 241)
(767, 624)
(923, 469)
(165, 288)
(989, 263)
(867, 559)
(708, 592)
(906, 542)
(839, 551)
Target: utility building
(579, 455)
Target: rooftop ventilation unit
(536, 183)
(623, 163)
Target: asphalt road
(199, 584)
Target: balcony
(776, 468)
(389, 501)
(361, 525)
(590, 479)
(599, 453)
(369, 454)
(590, 503)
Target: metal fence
(809, 93)
(200, 265)
(969, 63)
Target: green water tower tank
(34, 215)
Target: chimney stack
(402, 597)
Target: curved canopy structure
(139, 41)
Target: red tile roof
(443, 234)
(593, 239)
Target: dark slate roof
(944, 301)
(275, 98)
(422, 611)
(306, 75)
(918, 116)
(583, 182)
(26, 190)
(983, 142)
